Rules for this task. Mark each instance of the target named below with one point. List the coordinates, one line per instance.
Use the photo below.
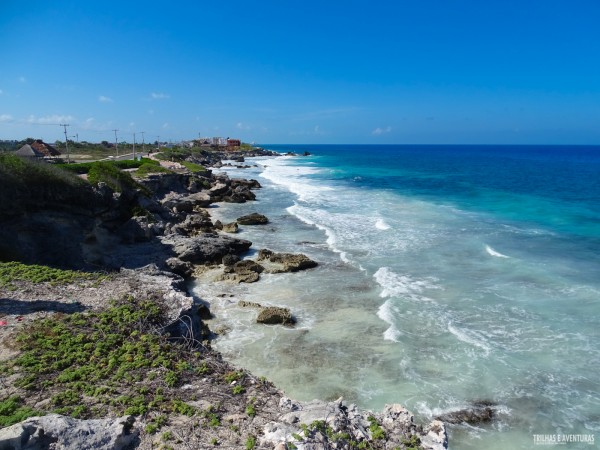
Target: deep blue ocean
(448, 275)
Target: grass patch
(13, 411)
(81, 168)
(193, 167)
(117, 180)
(16, 271)
(147, 168)
(107, 362)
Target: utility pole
(158, 143)
(134, 146)
(65, 125)
(116, 143)
(143, 143)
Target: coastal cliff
(143, 241)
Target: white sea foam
(395, 285)
(493, 252)
(470, 337)
(380, 224)
(294, 178)
(386, 314)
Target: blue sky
(427, 71)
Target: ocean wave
(493, 252)
(469, 337)
(394, 285)
(380, 224)
(294, 178)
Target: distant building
(233, 142)
(37, 149)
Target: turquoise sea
(448, 275)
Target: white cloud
(53, 119)
(105, 99)
(165, 126)
(242, 126)
(22, 79)
(159, 96)
(6, 118)
(379, 131)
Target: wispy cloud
(53, 119)
(105, 99)
(1, 92)
(165, 126)
(159, 96)
(22, 79)
(379, 131)
(242, 126)
(6, 118)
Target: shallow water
(446, 276)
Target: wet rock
(274, 315)
(246, 271)
(478, 412)
(230, 260)
(286, 262)
(253, 219)
(230, 227)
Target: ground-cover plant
(16, 271)
(13, 411)
(193, 167)
(26, 183)
(148, 168)
(116, 179)
(122, 164)
(111, 361)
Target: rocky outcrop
(479, 412)
(246, 271)
(205, 248)
(59, 432)
(252, 219)
(285, 262)
(270, 315)
(337, 425)
(274, 315)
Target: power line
(116, 143)
(65, 125)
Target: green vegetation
(376, 431)
(148, 168)
(13, 411)
(81, 168)
(413, 443)
(116, 179)
(250, 442)
(16, 271)
(25, 182)
(192, 167)
(92, 364)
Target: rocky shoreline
(167, 239)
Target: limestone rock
(66, 433)
(286, 262)
(183, 268)
(206, 248)
(253, 219)
(230, 227)
(274, 315)
(478, 412)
